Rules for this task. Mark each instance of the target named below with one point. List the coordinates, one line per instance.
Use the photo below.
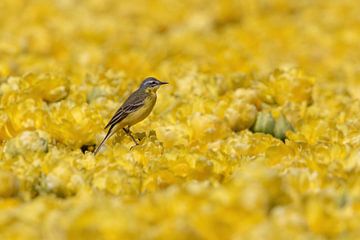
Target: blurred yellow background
(199, 173)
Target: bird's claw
(133, 146)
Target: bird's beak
(162, 83)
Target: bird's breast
(143, 112)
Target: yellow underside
(139, 115)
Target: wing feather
(133, 103)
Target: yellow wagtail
(135, 109)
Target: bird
(135, 109)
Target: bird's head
(151, 84)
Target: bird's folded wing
(125, 110)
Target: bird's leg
(128, 132)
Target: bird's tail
(108, 135)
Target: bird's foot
(137, 139)
(133, 146)
(128, 132)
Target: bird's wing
(133, 103)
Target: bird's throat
(152, 90)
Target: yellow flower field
(257, 136)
